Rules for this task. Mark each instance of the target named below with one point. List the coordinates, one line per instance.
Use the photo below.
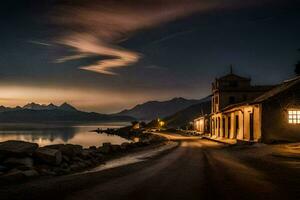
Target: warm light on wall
(294, 116)
(161, 123)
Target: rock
(17, 148)
(78, 166)
(105, 149)
(30, 173)
(61, 171)
(45, 171)
(106, 144)
(125, 146)
(93, 148)
(69, 150)
(66, 159)
(75, 167)
(88, 163)
(77, 159)
(116, 148)
(14, 162)
(12, 177)
(64, 165)
(47, 155)
(86, 154)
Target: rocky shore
(20, 161)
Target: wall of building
(275, 124)
(239, 126)
(199, 125)
(239, 97)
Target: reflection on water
(45, 134)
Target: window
(294, 116)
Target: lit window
(294, 116)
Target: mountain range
(176, 112)
(158, 109)
(183, 117)
(35, 106)
(65, 112)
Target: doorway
(251, 127)
(223, 128)
(236, 126)
(229, 127)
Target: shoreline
(24, 161)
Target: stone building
(255, 113)
(202, 124)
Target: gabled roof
(232, 76)
(277, 90)
(267, 95)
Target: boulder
(30, 173)
(86, 154)
(106, 144)
(93, 148)
(64, 165)
(125, 146)
(61, 171)
(17, 148)
(66, 159)
(69, 150)
(49, 156)
(78, 166)
(106, 148)
(77, 159)
(116, 148)
(75, 167)
(15, 162)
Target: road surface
(196, 169)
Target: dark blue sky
(164, 55)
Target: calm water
(45, 134)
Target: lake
(46, 134)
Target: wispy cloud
(98, 28)
(39, 43)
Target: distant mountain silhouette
(34, 112)
(158, 109)
(34, 106)
(183, 117)
(67, 107)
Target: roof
(233, 77)
(236, 105)
(277, 90)
(269, 94)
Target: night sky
(104, 55)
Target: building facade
(255, 113)
(202, 124)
